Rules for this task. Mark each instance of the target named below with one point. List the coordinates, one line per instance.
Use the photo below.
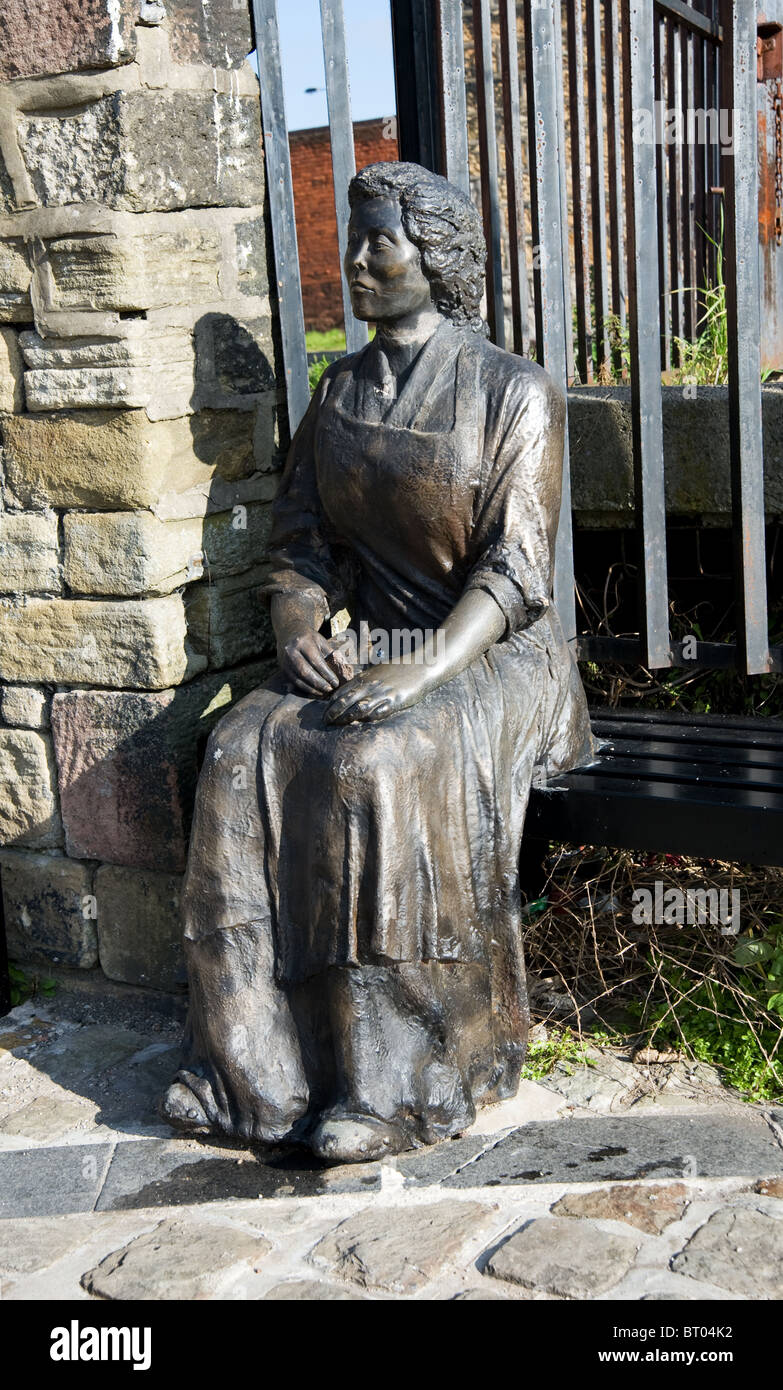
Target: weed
(24, 988)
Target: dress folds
(376, 864)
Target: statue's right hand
(303, 661)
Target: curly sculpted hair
(443, 224)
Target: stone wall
(139, 431)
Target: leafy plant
(543, 1055)
(315, 371)
(23, 988)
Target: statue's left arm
(509, 584)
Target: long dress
(352, 902)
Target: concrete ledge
(696, 453)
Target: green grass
(542, 1056)
(332, 340)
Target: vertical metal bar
(281, 205)
(674, 161)
(565, 232)
(616, 219)
(338, 101)
(553, 329)
(689, 43)
(416, 83)
(716, 191)
(659, 45)
(700, 173)
(454, 115)
(509, 63)
(488, 149)
(743, 319)
(595, 91)
(576, 101)
(644, 317)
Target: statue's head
(441, 232)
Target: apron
(397, 490)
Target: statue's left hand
(378, 692)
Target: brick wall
(316, 224)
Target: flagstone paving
(614, 1181)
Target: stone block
(251, 251)
(401, 1254)
(52, 1181)
(127, 765)
(219, 495)
(178, 1260)
(138, 644)
(564, 1258)
(28, 805)
(218, 35)
(117, 271)
(235, 541)
(229, 620)
(29, 553)
(139, 932)
(15, 275)
(65, 36)
(650, 1209)
(7, 198)
(119, 459)
(207, 152)
(617, 1148)
(11, 372)
(234, 360)
(24, 706)
(312, 1291)
(49, 909)
(130, 553)
(739, 1250)
(696, 448)
(30, 1244)
(145, 368)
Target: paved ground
(609, 1181)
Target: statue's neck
(402, 342)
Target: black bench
(702, 785)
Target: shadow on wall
(128, 760)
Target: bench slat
(685, 752)
(640, 767)
(734, 824)
(700, 722)
(707, 737)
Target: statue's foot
(347, 1138)
(181, 1108)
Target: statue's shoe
(181, 1108)
(343, 1137)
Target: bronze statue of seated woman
(352, 903)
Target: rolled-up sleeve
(302, 556)
(513, 540)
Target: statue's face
(382, 267)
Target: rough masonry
(140, 449)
